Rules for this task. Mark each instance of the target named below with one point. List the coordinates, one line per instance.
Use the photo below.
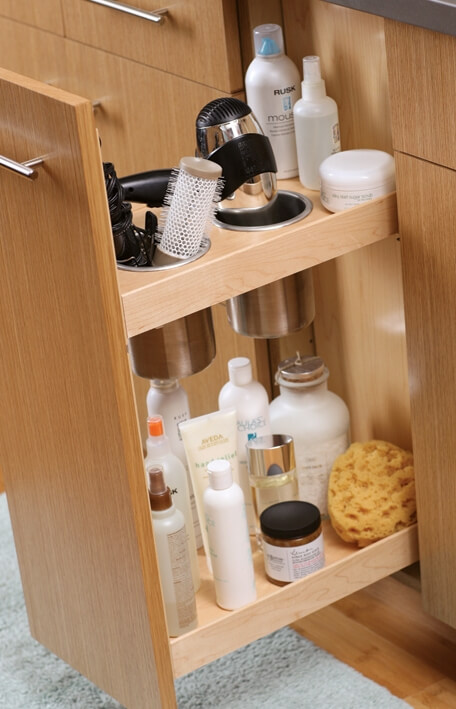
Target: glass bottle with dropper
(173, 556)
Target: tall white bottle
(316, 418)
(173, 557)
(168, 399)
(316, 120)
(159, 453)
(251, 402)
(272, 84)
(228, 536)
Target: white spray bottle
(159, 453)
(316, 121)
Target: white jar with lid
(352, 177)
(317, 419)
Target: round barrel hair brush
(193, 191)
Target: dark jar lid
(290, 520)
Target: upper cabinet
(197, 39)
(422, 112)
(46, 15)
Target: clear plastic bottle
(159, 453)
(316, 120)
(250, 399)
(168, 399)
(273, 85)
(173, 556)
(317, 419)
(228, 537)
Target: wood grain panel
(351, 47)
(46, 14)
(360, 333)
(146, 118)
(429, 259)
(421, 68)
(76, 488)
(347, 570)
(240, 261)
(198, 39)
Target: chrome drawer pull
(22, 168)
(156, 16)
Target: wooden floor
(383, 633)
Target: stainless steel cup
(178, 349)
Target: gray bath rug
(280, 671)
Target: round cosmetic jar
(353, 177)
(292, 541)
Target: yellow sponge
(371, 492)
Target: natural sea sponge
(371, 492)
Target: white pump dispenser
(316, 124)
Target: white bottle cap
(240, 371)
(268, 40)
(313, 86)
(220, 474)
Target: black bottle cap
(290, 520)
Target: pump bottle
(228, 537)
(159, 453)
(168, 399)
(251, 402)
(272, 85)
(316, 121)
(173, 556)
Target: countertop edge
(435, 15)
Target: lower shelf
(347, 570)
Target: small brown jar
(292, 541)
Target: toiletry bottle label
(182, 578)
(293, 563)
(335, 132)
(315, 463)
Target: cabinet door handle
(22, 168)
(156, 16)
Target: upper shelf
(241, 261)
(437, 15)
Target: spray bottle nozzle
(311, 69)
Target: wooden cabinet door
(197, 39)
(46, 14)
(429, 263)
(70, 451)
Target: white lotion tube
(228, 537)
(206, 438)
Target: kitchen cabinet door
(76, 489)
(429, 264)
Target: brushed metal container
(276, 309)
(178, 349)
